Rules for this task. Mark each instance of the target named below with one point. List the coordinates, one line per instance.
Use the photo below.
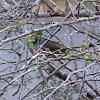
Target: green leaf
(65, 35)
(60, 52)
(39, 33)
(32, 39)
(34, 8)
(84, 45)
(86, 57)
(89, 62)
(30, 44)
(26, 40)
(90, 56)
(51, 83)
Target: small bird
(50, 45)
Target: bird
(50, 45)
